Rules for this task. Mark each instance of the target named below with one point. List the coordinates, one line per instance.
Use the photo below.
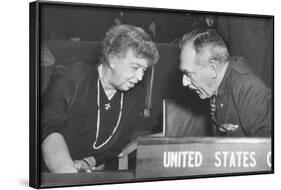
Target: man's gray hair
(207, 39)
(119, 39)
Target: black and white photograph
(124, 94)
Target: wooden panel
(184, 121)
(97, 177)
(168, 157)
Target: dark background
(250, 37)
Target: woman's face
(127, 70)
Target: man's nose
(185, 80)
(139, 74)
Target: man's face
(196, 71)
(127, 70)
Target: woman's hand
(84, 166)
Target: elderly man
(240, 103)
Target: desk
(98, 177)
(161, 157)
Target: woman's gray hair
(119, 39)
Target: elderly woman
(89, 112)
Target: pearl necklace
(98, 119)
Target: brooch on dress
(107, 106)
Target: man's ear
(111, 59)
(213, 66)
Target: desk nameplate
(169, 157)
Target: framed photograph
(130, 94)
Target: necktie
(213, 109)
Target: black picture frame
(36, 41)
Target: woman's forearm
(56, 154)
